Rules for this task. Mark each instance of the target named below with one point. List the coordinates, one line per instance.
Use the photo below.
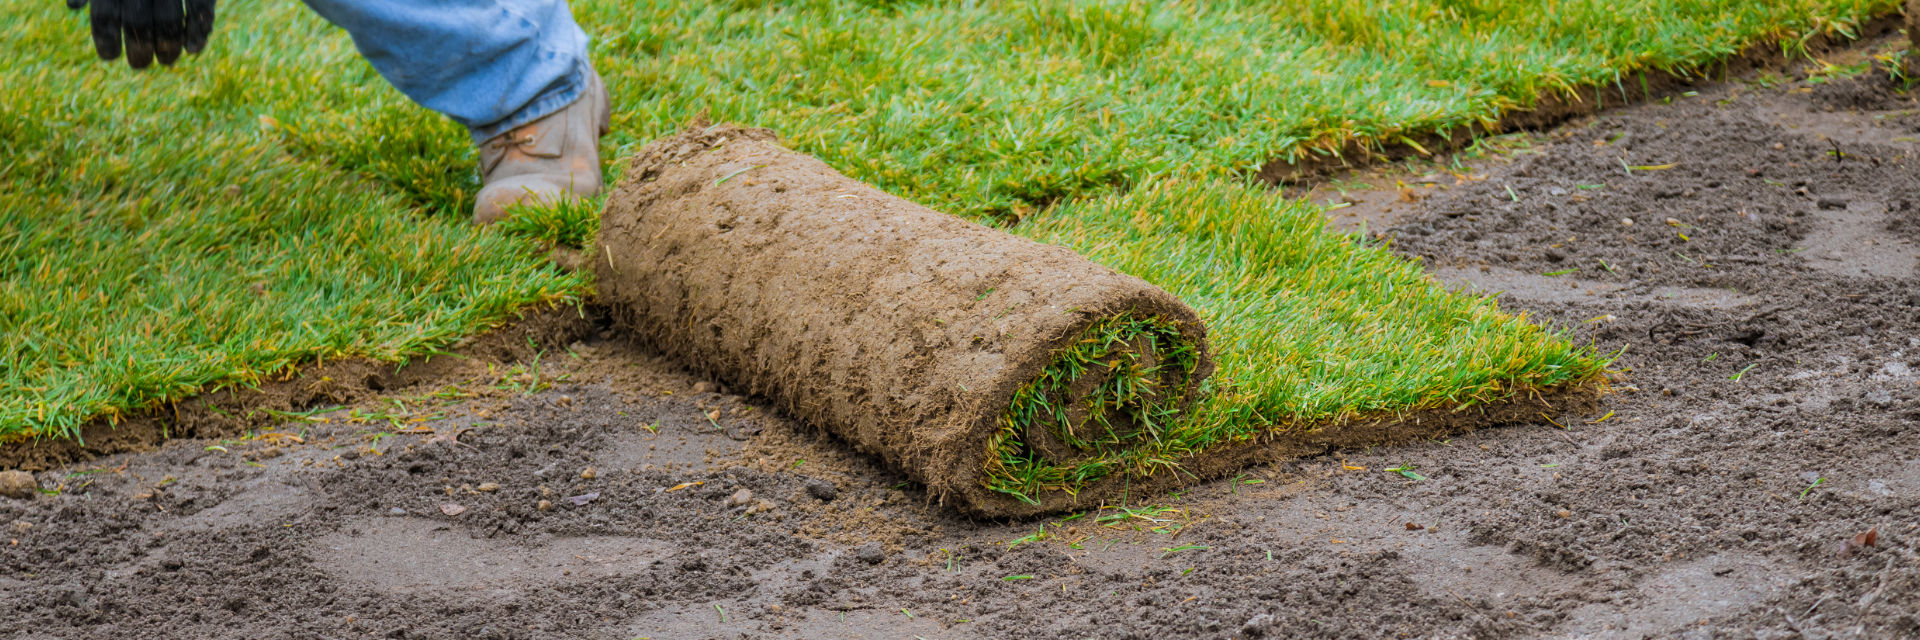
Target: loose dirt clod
(908, 332)
(822, 490)
(18, 484)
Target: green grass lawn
(273, 201)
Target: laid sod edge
(1231, 452)
(1159, 434)
(1326, 154)
(1318, 340)
(521, 335)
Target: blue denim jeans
(491, 65)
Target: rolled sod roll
(1005, 374)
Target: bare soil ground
(1763, 299)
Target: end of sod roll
(1010, 377)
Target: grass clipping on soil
(1015, 377)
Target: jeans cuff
(547, 104)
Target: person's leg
(515, 72)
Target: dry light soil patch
(1763, 300)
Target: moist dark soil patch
(1767, 418)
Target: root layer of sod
(1109, 401)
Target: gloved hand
(149, 28)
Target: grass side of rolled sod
(273, 201)
(1143, 368)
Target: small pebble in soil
(704, 386)
(18, 484)
(822, 490)
(871, 553)
(1257, 626)
(543, 505)
(396, 511)
(588, 473)
(1564, 513)
(487, 487)
(740, 497)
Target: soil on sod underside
(1768, 418)
(905, 331)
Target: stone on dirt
(740, 497)
(1257, 626)
(871, 553)
(822, 490)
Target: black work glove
(149, 28)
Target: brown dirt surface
(1764, 425)
(901, 329)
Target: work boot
(547, 160)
